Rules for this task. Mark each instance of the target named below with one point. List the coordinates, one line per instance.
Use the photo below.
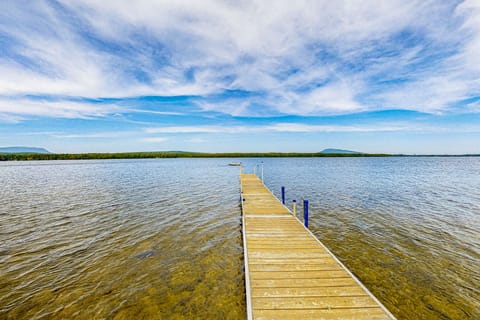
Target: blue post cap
(294, 200)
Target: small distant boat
(235, 164)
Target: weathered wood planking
(289, 273)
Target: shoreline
(159, 155)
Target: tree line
(174, 154)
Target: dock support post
(283, 195)
(262, 171)
(305, 213)
(294, 207)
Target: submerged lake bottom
(161, 238)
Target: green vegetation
(169, 154)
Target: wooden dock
(290, 274)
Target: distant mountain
(339, 151)
(23, 150)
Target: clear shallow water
(153, 239)
(161, 239)
(409, 228)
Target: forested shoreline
(170, 154)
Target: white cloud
(187, 129)
(279, 127)
(95, 135)
(163, 113)
(10, 118)
(336, 97)
(20, 108)
(303, 57)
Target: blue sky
(252, 76)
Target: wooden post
(294, 207)
(262, 171)
(305, 213)
(283, 195)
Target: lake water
(161, 238)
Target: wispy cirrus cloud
(23, 108)
(93, 135)
(307, 57)
(7, 118)
(278, 127)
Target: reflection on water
(160, 239)
(120, 240)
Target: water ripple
(161, 238)
(120, 239)
(409, 228)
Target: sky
(397, 76)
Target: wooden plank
(286, 254)
(305, 242)
(265, 210)
(325, 314)
(285, 241)
(302, 274)
(308, 292)
(330, 265)
(364, 301)
(278, 228)
(284, 261)
(279, 247)
(273, 236)
(300, 283)
(280, 242)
